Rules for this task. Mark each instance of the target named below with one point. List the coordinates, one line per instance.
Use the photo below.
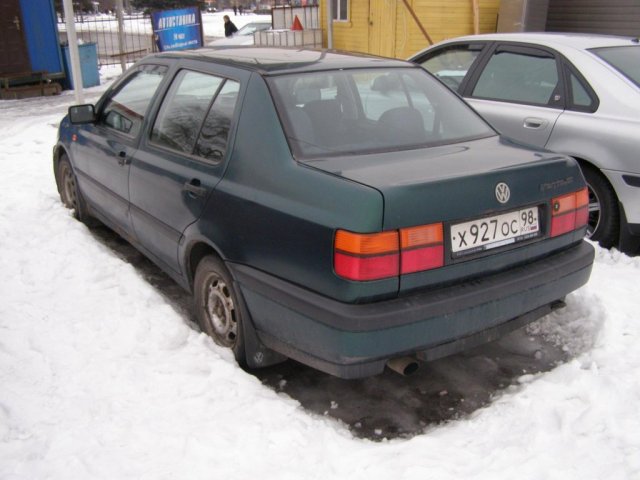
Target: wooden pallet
(27, 84)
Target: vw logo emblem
(502, 192)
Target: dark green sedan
(349, 212)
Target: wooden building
(396, 28)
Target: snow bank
(101, 378)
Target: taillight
(422, 248)
(569, 212)
(582, 208)
(374, 256)
(366, 256)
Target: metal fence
(103, 30)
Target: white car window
(518, 77)
(624, 59)
(451, 65)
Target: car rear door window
(126, 109)
(184, 108)
(526, 76)
(212, 142)
(196, 114)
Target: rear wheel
(68, 189)
(604, 216)
(218, 307)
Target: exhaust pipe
(404, 365)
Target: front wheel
(217, 306)
(604, 216)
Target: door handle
(123, 159)
(194, 189)
(534, 123)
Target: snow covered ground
(102, 378)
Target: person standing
(229, 26)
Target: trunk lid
(456, 185)
(457, 182)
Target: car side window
(581, 97)
(195, 116)
(452, 64)
(212, 142)
(183, 109)
(126, 109)
(520, 77)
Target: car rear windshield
(371, 110)
(624, 59)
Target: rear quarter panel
(608, 138)
(279, 216)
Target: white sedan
(244, 36)
(571, 93)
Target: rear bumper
(350, 340)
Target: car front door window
(125, 111)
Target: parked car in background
(571, 93)
(345, 211)
(244, 36)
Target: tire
(69, 192)
(604, 216)
(218, 308)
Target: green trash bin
(88, 65)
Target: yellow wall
(351, 35)
(442, 19)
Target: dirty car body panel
(363, 211)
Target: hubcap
(594, 212)
(69, 187)
(220, 309)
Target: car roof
(580, 41)
(268, 60)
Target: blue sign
(177, 29)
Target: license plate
(492, 232)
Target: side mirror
(82, 114)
